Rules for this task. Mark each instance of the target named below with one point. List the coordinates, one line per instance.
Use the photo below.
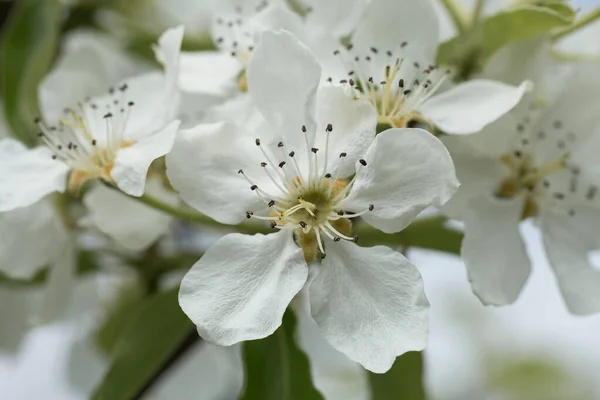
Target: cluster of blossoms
(305, 131)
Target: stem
(580, 23)
(456, 14)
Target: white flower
(235, 31)
(543, 166)
(113, 137)
(309, 174)
(391, 63)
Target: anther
(363, 162)
(273, 224)
(253, 187)
(342, 155)
(323, 255)
(263, 164)
(280, 144)
(401, 83)
(240, 171)
(518, 154)
(123, 87)
(355, 239)
(54, 156)
(292, 154)
(107, 115)
(303, 128)
(271, 203)
(374, 50)
(281, 164)
(257, 141)
(340, 213)
(94, 142)
(371, 207)
(328, 175)
(37, 120)
(329, 128)
(302, 224)
(249, 214)
(314, 150)
(131, 104)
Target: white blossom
(391, 63)
(542, 165)
(113, 137)
(312, 167)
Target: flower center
(540, 168)
(394, 85)
(309, 202)
(88, 139)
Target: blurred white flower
(391, 63)
(294, 172)
(113, 137)
(542, 165)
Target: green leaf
(154, 334)
(403, 381)
(427, 233)
(470, 50)
(276, 369)
(27, 49)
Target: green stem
(456, 14)
(580, 23)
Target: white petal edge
(407, 170)
(370, 304)
(567, 248)
(27, 175)
(242, 285)
(132, 163)
(493, 250)
(469, 107)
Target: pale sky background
(538, 325)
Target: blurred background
(532, 350)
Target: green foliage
(155, 331)
(276, 369)
(27, 49)
(469, 51)
(404, 381)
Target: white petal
(132, 163)
(567, 241)
(28, 175)
(353, 121)
(407, 170)
(339, 20)
(168, 53)
(242, 285)
(37, 224)
(211, 72)
(203, 167)
(493, 250)
(469, 107)
(386, 23)
(476, 172)
(370, 304)
(283, 76)
(333, 373)
(88, 65)
(130, 223)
